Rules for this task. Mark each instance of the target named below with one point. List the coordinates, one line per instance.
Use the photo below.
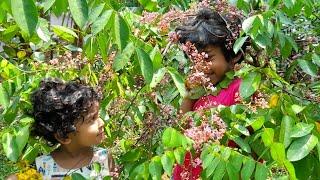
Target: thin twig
(300, 97)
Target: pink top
(226, 97)
(190, 169)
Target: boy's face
(90, 131)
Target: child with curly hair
(208, 41)
(67, 114)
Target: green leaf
(120, 32)
(94, 12)
(47, 4)
(22, 137)
(207, 160)
(238, 44)
(316, 59)
(297, 109)
(250, 84)
(243, 145)
(261, 172)
(212, 166)
(247, 23)
(157, 77)
(179, 154)
(301, 129)
(308, 67)
(31, 153)
(178, 81)
(236, 160)
(242, 129)
(149, 5)
(167, 161)
(123, 58)
(155, 168)
(65, 33)
(220, 170)
(79, 11)
(4, 97)
(248, 168)
(96, 167)
(77, 176)
(145, 65)
(301, 147)
(278, 152)
(267, 136)
(99, 24)
(285, 130)
(171, 138)
(10, 147)
(25, 14)
(262, 40)
(290, 169)
(43, 30)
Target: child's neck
(73, 151)
(72, 157)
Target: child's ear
(62, 140)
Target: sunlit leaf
(248, 168)
(65, 33)
(301, 129)
(10, 147)
(178, 81)
(157, 77)
(238, 44)
(145, 65)
(167, 161)
(308, 67)
(261, 172)
(267, 136)
(285, 130)
(179, 154)
(4, 97)
(155, 168)
(120, 32)
(278, 152)
(220, 170)
(301, 147)
(79, 11)
(123, 58)
(25, 14)
(250, 84)
(99, 24)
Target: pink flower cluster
(197, 77)
(168, 17)
(148, 17)
(214, 130)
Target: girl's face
(90, 131)
(216, 63)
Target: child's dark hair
(209, 28)
(57, 106)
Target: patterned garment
(190, 169)
(51, 170)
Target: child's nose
(101, 122)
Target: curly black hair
(58, 105)
(208, 28)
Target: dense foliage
(123, 47)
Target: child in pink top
(210, 33)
